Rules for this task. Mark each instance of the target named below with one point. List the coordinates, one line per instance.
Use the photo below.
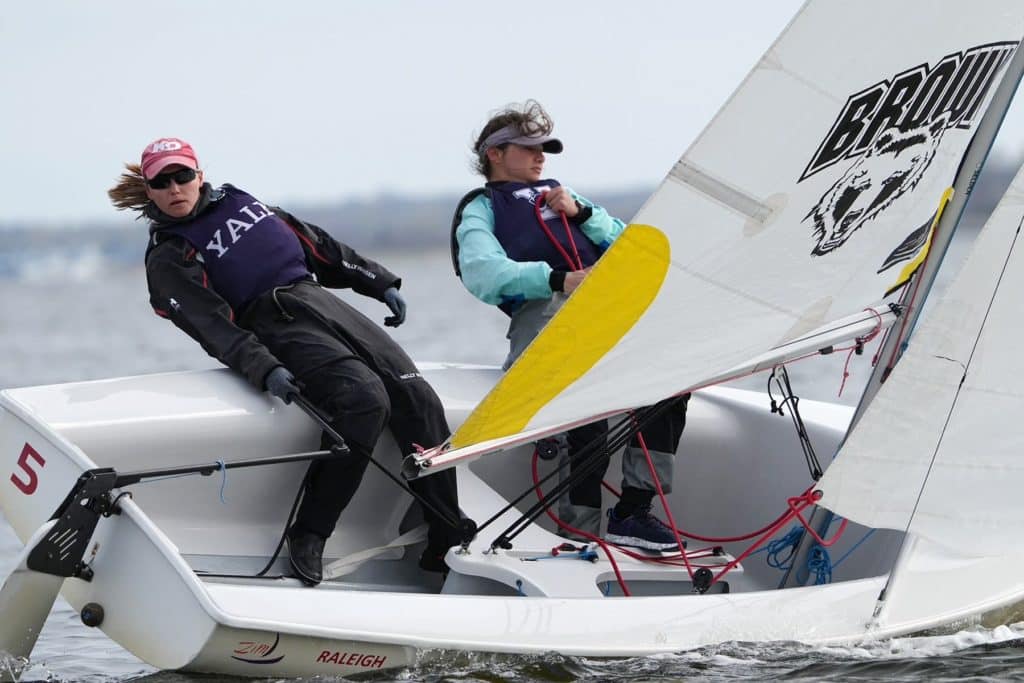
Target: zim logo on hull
(256, 652)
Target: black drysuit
(347, 365)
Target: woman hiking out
(247, 281)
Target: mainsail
(807, 199)
(939, 447)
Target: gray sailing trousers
(581, 508)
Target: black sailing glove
(396, 303)
(281, 383)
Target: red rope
(576, 264)
(796, 505)
(681, 559)
(860, 342)
(813, 498)
(688, 534)
(664, 502)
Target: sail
(945, 421)
(808, 197)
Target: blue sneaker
(640, 530)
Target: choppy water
(87, 317)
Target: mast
(974, 158)
(916, 292)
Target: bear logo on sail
(892, 131)
(892, 167)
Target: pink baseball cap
(161, 153)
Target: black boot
(306, 551)
(432, 560)
(440, 539)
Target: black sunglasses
(183, 176)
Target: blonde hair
(130, 191)
(529, 117)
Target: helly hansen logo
(951, 90)
(235, 228)
(359, 269)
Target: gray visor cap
(511, 134)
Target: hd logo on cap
(164, 146)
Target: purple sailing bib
(246, 249)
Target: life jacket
(457, 220)
(244, 247)
(589, 252)
(521, 235)
(515, 217)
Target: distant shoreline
(384, 221)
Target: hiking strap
(349, 563)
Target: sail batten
(717, 189)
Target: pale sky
(307, 101)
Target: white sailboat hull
(828, 167)
(153, 562)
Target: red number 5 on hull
(28, 487)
